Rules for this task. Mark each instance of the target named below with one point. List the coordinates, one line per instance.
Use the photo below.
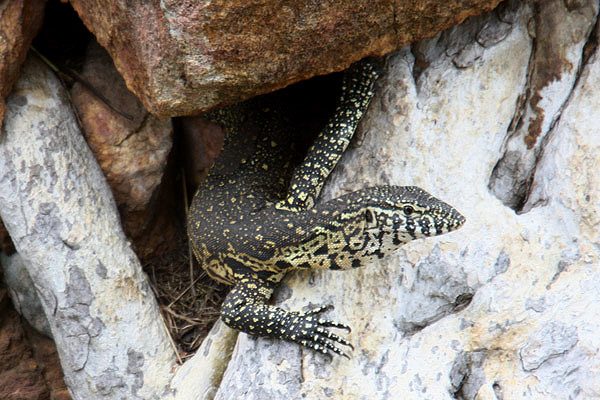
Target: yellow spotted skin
(257, 216)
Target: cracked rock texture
(506, 307)
(559, 32)
(185, 57)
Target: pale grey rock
(199, 377)
(559, 31)
(23, 294)
(466, 375)
(59, 211)
(553, 340)
(504, 308)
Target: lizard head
(384, 218)
(407, 213)
(354, 229)
(395, 215)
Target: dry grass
(189, 310)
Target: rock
(132, 153)
(553, 340)
(504, 308)
(202, 143)
(6, 244)
(552, 72)
(62, 217)
(20, 375)
(199, 377)
(182, 58)
(19, 23)
(46, 356)
(23, 293)
(4, 302)
(30, 367)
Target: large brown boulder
(185, 57)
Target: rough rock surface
(200, 376)
(504, 308)
(46, 355)
(202, 143)
(559, 31)
(29, 367)
(6, 244)
(181, 58)
(20, 20)
(62, 217)
(23, 293)
(132, 153)
(20, 375)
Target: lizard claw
(312, 332)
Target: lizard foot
(311, 331)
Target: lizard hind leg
(245, 308)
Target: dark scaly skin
(255, 218)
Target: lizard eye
(369, 216)
(371, 219)
(408, 210)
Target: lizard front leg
(245, 308)
(309, 177)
